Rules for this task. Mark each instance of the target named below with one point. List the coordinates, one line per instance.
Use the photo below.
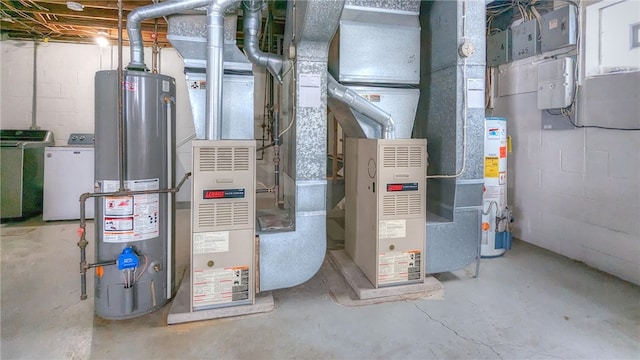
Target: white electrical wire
(265, 186)
(144, 268)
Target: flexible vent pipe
(358, 103)
(215, 47)
(251, 28)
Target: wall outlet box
(559, 28)
(499, 48)
(525, 40)
(556, 83)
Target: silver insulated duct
(252, 20)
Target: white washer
(68, 173)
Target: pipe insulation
(350, 98)
(215, 48)
(251, 27)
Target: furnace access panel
(222, 223)
(385, 208)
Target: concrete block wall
(65, 93)
(65, 89)
(576, 192)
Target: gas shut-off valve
(128, 263)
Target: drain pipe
(349, 97)
(251, 27)
(215, 48)
(34, 98)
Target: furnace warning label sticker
(210, 242)
(372, 97)
(391, 229)
(491, 166)
(399, 266)
(131, 218)
(219, 286)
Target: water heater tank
(136, 231)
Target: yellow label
(491, 166)
(509, 148)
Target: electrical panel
(222, 224)
(385, 208)
(525, 40)
(499, 48)
(556, 83)
(559, 28)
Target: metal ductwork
(134, 29)
(188, 35)
(215, 49)
(376, 55)
(251, 27)
(455, 131)
(350, 98)
(290, 258)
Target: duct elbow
(251, 28)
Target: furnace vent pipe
(215, 48)
(136, 17)
(349, 97)
(251, 28)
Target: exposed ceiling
(53, 20)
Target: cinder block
(616, 216)
(48, 90)
(596, 163)
(623, 191)
(572, 160)
(48, 105)
(562, 183)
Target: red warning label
(503, 152)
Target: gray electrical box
(559, 28)
(556, 83)
(525, 40)
(499, 48)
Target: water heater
(223, 224)
(136, 232)
(385, 208)
(495, 214)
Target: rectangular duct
(376, 46)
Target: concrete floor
(529, 304)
